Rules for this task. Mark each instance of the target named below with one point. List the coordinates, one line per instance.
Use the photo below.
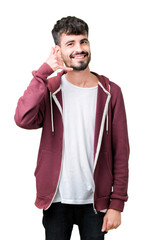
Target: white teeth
(80, 57)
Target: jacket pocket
(103, 176)
(46, 174)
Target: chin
(80, 68)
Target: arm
(31, 106)
(120, 148)
(120, 145)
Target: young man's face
(75, 51)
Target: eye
(84, 41)
(69, 44)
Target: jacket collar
(55, 82)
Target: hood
(54, 82)
(54, 86)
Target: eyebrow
(85, 39)
(72, 41)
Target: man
(82, 167)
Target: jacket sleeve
(31, 106)
(120, 149)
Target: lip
(79, 56)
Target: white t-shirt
(79, 110)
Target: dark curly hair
(69, 25)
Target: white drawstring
(107, 123)
(52, 120)
(107, 115)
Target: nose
(78, 48)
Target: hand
(55, 60)
(111, 220)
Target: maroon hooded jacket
(41, 106)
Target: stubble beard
(82, 64)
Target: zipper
(60, 109)
(100, 136)
(95, 211)
(58, 179)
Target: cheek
(88, 50)
(65, 55)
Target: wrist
(45, 70)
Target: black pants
(58, 222)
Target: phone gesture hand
(55, 60)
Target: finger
(57, 49)
(58, 55)
(68, 69)
(65, 68)
(52, 51)
(104, 226)
(109, 227)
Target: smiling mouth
(79, 55)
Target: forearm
(120, 145)
(30, 107)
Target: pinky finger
(67, 69)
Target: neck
(82, 78)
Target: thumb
(52, 51)
(104, 226)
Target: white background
(117, 45)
